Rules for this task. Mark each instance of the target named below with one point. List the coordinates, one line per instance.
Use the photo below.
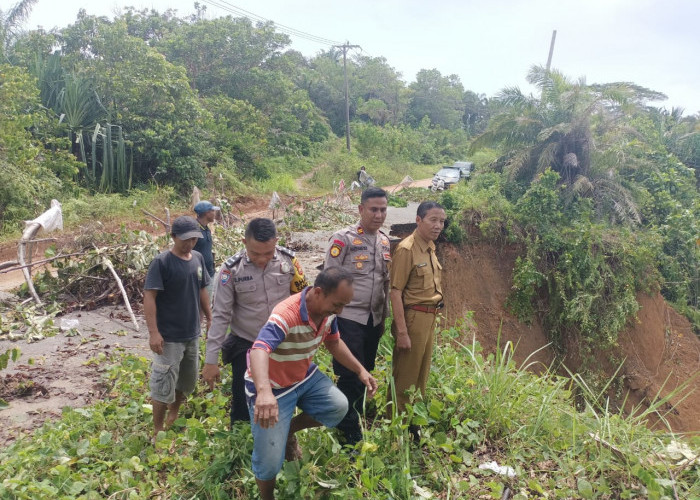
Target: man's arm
(155, 339)
(342, 355)
(204, 304)
(335, 254)
(221, 319)
(266, 409)
(403, 341)
(400, 270)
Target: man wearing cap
(251, 283)
(416, 298)
(175, 291)
(363, 250)
(206, 213)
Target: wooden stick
(108, 263)
(42, 239)
(165, 224)
(38, 262)
(7, 264)
(29, 233)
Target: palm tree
(559, 130)
(10, 24)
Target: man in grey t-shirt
(175, 291)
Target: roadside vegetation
(599, 188)
(480, 410)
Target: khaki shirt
(245, 296)
(416, 272)
(368, 258)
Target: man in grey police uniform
(363, 249)
(250, 284)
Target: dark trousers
(238, 354)
(363, 341)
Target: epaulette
(289, 253)
(233, 260)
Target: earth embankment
(658, 348)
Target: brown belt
(426, 309)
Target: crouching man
(282, 375)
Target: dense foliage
(152, 98)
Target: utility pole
(551, 50)
(346, 46)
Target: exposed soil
(657, 345)
(659, 349)
(57, 371)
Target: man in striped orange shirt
(282, 375)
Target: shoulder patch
(286, 251)
(225, 276)
(335, 250)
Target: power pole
(551, 50)
(346, 46)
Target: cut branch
(108, 263)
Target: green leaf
(76, 488)
(105, 437)
(585, 488)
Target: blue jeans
(317, 397)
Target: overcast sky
(490, 44)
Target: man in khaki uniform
(363, 249)
(416, 298)
(250, 284)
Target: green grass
(480, 408)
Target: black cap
(186, 227)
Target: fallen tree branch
(29, 233)
(108, 263)
(42, 239)
(37, 263)
(166, 225)
(7, 264)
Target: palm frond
(19, 13)
(547, 157)
(582, 186)
(517, 164)
(555, 132)
(624, 207)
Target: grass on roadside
(479, 409)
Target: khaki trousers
(411, 368)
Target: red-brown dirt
(659, 348)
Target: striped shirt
(291, 339)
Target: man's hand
(403, 341)
(155, 342)
(369, 381)
(211, 374)
(208, 323)
(266, 411)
